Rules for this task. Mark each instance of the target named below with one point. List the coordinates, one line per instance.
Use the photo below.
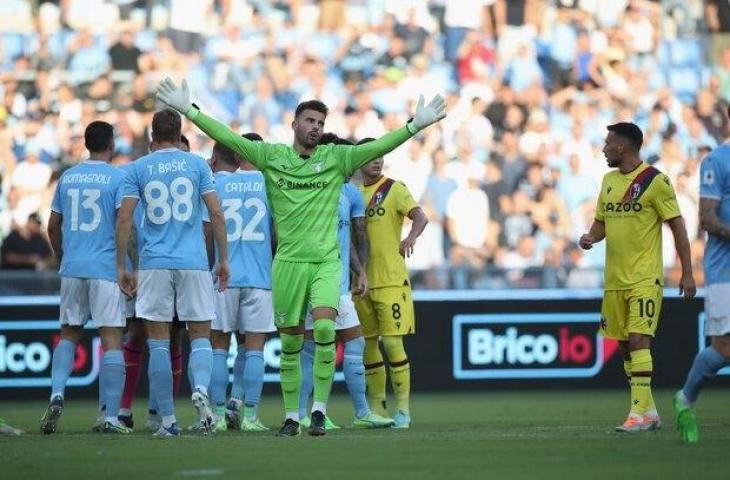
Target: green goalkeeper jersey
(304, 191)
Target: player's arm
(55, 235)
(124, 230)
(218, 223)
(358, 155)
(360, 255)
(178, 98)
(710, 220)
(681, 242)
(209, 245)
(419, 219)
(594, 235)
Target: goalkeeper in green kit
(304, 182)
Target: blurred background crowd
(509, 180)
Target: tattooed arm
(710, 221)
(360, 255)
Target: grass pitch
(530, 434)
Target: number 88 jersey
(87, 198)
(248, 227)
(170, 184)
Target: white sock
(294, 415)
(168, 421)
(319, 407)
(125, 412)
(112, 420)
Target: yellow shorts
(631, 311)
(386, 311)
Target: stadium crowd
(509, 180)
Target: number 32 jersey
(248, 227)
(87, 198)
(169, 184)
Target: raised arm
(358, 155)
(178, 98)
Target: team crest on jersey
(317, 167)
(279, 318)
(635, 191)
(708, 178)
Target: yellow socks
(641, 371)
(375, 376)
(400, 371)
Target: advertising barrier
(465, 340)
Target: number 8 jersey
(87, 198)
(248, 226)
(169, 184)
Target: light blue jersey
(87, 197)
(248, 224)
(351, 206)
(715, 185)
(169, 184)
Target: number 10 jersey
(169, 184)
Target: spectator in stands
(26, 247)
(124, 54)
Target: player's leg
(290, 290)
(644, 308)
(350, 335)
(177, 339)
(253, 378)
(221, 342)
(397, 320)
(195, 303)
(307, 359)
(220, 336)
(107, 305)
(133, 350)
(325, 301)
(74, 314)
(707, 362)
(155, 295)
(7, 429)
(235, 404)
(372, 356)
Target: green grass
(530, 434)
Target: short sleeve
(405, 201)
(119, 193)
(357, 204)
(207, 183)
(131, 185)
(664, 199)
(711, 178)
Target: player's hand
(428, 114)
(586, 242)
(406, 246)
(127, 283)
(174, 96)
(361, 285)
(687, 287)
(222, 275)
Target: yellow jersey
(633, 207)
(387, 203)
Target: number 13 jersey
(87, 198)
(169, 184)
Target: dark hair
(98, 136)
(315, 105)
(329, 138)
(224, 154)
(184, 140)
(628, 131)
(253, 136)
(166, 126)
(366, 140)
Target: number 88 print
(157, 194)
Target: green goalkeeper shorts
(296, 285)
